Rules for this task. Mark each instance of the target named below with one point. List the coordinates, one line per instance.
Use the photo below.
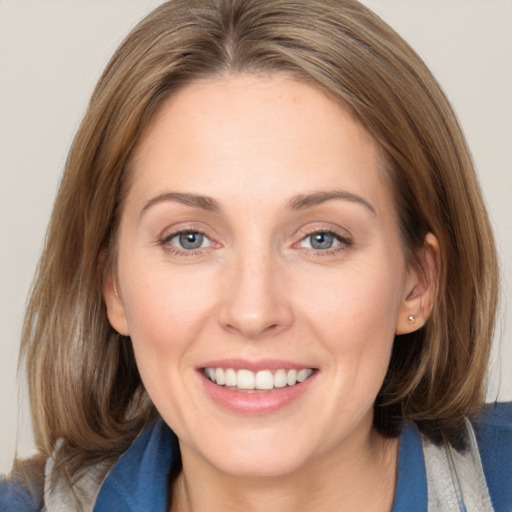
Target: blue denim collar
(139, 480)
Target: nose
(255, 303)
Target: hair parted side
(83, 381)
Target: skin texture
(257, 289)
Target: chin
(257, 455)
(258, 466)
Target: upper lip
(254, 366)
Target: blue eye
(191, 240)
(188, 240)
(322, 241)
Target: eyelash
(344, 242)
(165, 242)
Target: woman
(269, 239)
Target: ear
(420, 289)
(115, 308)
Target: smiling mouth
(263, 380)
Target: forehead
(256, 133)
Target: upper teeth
(263, 379)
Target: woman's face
(259, 247)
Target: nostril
(253, 332)
(254, 313)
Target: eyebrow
(193, 200)
(299, 202)
(304, 201)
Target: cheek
(355, 314)
(356, 299)
(165, 314)
(357, 325)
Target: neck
(359, 478)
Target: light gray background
(51, 54)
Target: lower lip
(255, 402)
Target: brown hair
(83, 381)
